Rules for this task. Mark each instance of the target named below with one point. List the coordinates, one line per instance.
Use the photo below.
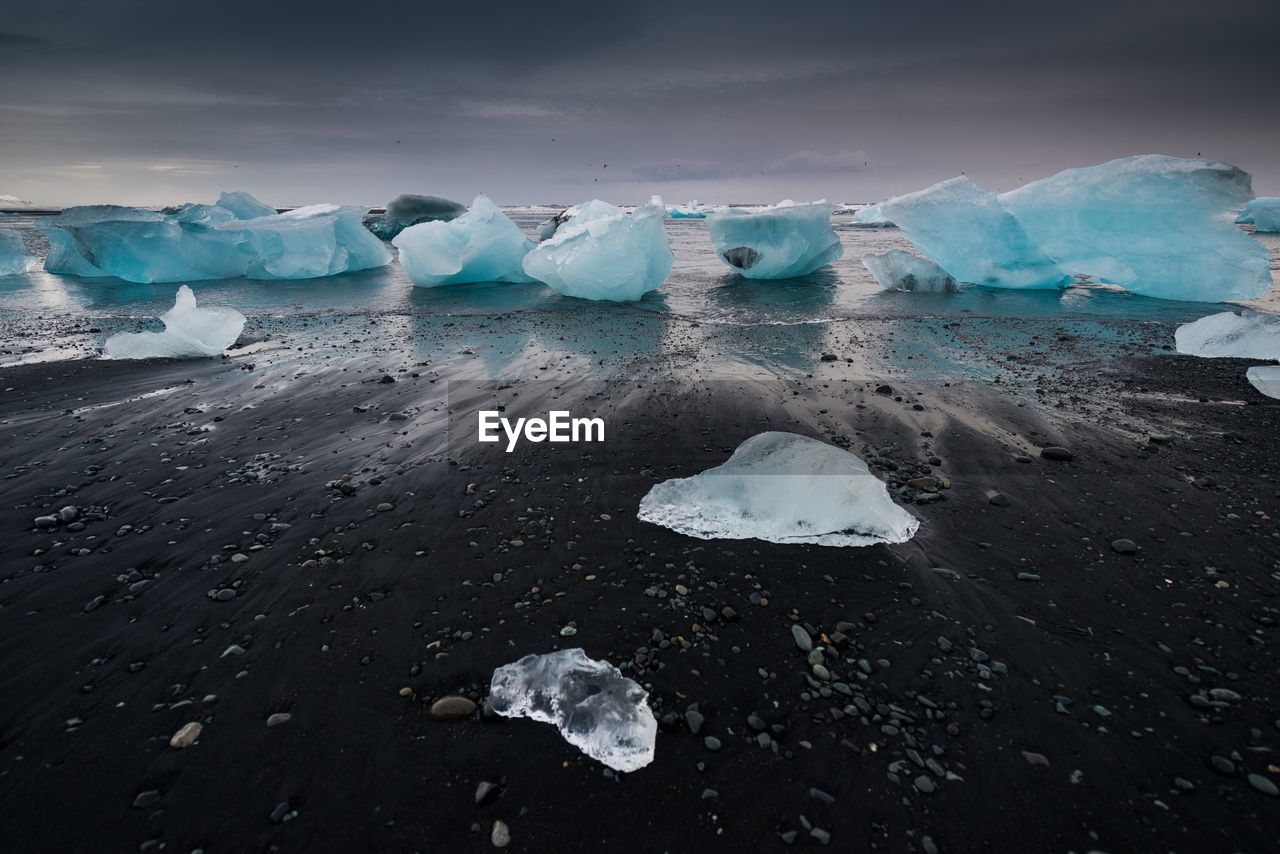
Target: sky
(153, 102)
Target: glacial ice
(244, 206)
(872, 216)
(1264, 213)
(1244, 335)
(971, 236)
(781, 241)
(188, 331)
(1265, 378)
(688, 211)
(596, 708)
(409, 209)
(1153, 225)
(603, 253)
(783, 488)
(896, 270)
(482, 245)
(198, 242)
(14, 257)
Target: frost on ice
(1265, 378)
(200, 242)
(601, 252)
(777, 242)
(901, 271)
(1263, 213)
(408, 209)
(783, 488)
(1153, 225)
(1244, 335)
(188, 331)
(596, 708)
(482, 245)
(14, 257)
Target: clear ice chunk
(1263, 213)
(309, 243)
(783, 488)
(482, 245)
(14, 257)
(188, 331)
(409, 209)
(781, 241)
(896, 270)
(871, 216)
(603, 253)
(1265, 378)
(1244, 335)
(596, 708)
(244, 206)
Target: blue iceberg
(781, 241)
(896, 270)
(199, 242)
(689, 211)
(603, 253)
(14, 257)
(188, 331)
(1263, 213)
(482, 245)
(409, 209)
(871, 216)
(244, 206)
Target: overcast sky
(160, 101)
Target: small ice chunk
(603, 253)
(783, 488)
(871, 216)
(596, 708)
(409, 209)
(244, 206)
(14, 257)
(188, 331)
(482, 245)
(971, 236)
(1244, 335)
(896, 270)
(1265, 378)
(687, 211)
(781, 241)
(1263, 213)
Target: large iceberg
(971, 236)
(1244, 335)
(482, 245)
(1263, 213)
(871, 216)
(1265, 378)
(901, 271)
(603, 253)
(781, 241)
(783, 488)
(199, 242)
(188, 331)
(596, 708)
(408, 209)
(14, 257)
(1154, 225)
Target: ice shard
(901, 271)
(1243, 334)
(596, 708)
(188, 331)
(1265, 378)
(783, 488)
(781, 241)
(602, 252)
(408, 209)
(14, 257)
(482, 245)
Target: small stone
(501, 835)
(925, 785)
(802, 638)
(406, 692)
(279, 718)
(149, 798)
(999, 500)
(924, 484)
(385, 507)
(451, 708)
(1035, 758)
(712, 743)
(226, 594)
(387, 379)
(486, 792)
(186, 736)
(1222, 765)
(282, 812)
(1057, 454)
(1124, 547)
(1262, 784)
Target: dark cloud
(151, 102)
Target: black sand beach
(1014, 678)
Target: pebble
(226, 594)
(451, 708)
(1124, 547)
(385, 507)
(999, 500)
(1222, 765)
(485, 792)
(925, 785)
(501, 835)
(711, 742)
(1262, 784)
(186, 736)
(802, 638)
(279, 718)
(149, 798)
(1057, 454)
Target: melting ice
(1264, 213)
(188, 331)
(482, 245)
(1245, 335)
(781, 241)
(408, 209)
(14, 257)
(901, 271)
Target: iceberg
(408, 209)
(871, 216)
(783, 488)
(1244, 335)
(188, 331)
(896, 270)
(14, 257)
(1263, 213)
(781, 241)
(244, 206)
(548, 227)
(689, 211)
(200, 242)
(1265, 378)
(482, 245)
(971, 236)
(596, 708)
(603, 253)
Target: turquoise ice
(14, 257)
(188, 331)
(871, 216)
(602, 252)
(901, 271)
(482, 245)
(1263, 213)
(781, 241)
